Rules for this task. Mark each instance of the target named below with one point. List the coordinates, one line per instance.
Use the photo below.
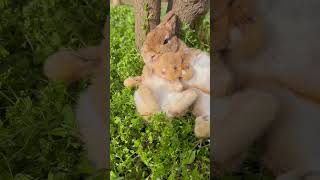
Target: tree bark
(190, 11)
(169, 7)
(123, 2)
(147, 17)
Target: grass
(38, 133)
(162, 149)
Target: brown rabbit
(242, 118)
(91, 107)
(240, 21)
(160, 40)
(252, 112)
(161, 82)
(287, 146)
(287, 59)
(72, 65)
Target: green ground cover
(164, 148)
(38, 133)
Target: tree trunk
(147, 17)
(122, 2)
(190, 11)
(169, 7)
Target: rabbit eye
(175, 67)
(166, 41)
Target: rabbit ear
(171, 23)
(170, 20)
(168, 16)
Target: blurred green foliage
(38, 132)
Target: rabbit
(289, 53)
(91, 114)
(272, 115)
(288, 74)
(72, 65)
(275, 117)
(288, 147)
(161, 81)
(162, 40)
(238, 20)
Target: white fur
(202, 104)
(92, 129)
(292, 53)
(166, 96)
(161, 88)
(200, 65)
(291, 144)
(291, 56)
(171, 100)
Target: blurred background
(39, 138)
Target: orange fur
(168, 66)
(160, 40)
(238, 19)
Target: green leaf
(68, 114)
(22, 177)
(50, 176)
(113, 176)
(191, 157)
(61, 132)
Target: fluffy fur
(71, 66)
(161, 39)
(195, 61)
(160, 81)
(270, 113)
(240, 21)
(290, 54)
(276, 118)
(289, 146)
(91, 107)
(223, 81)
(287, 66)
(200, 64)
